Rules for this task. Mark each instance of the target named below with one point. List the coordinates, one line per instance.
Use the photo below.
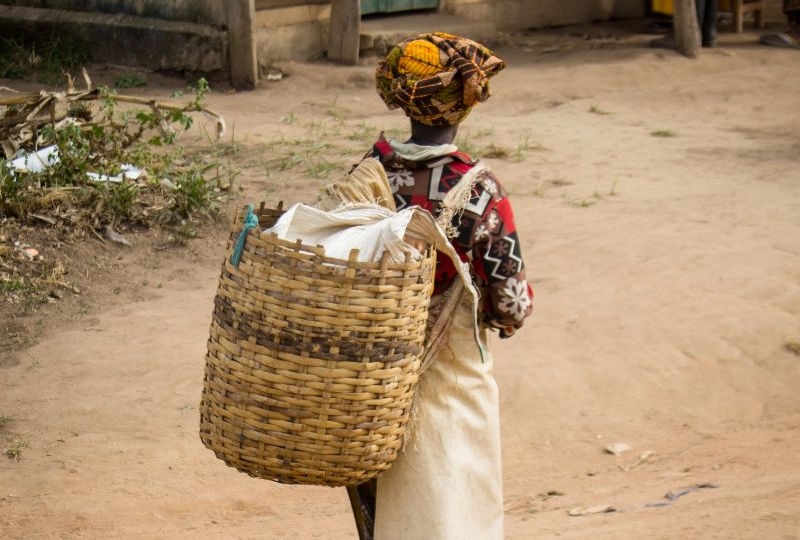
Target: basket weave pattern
(312, 362)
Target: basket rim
(318, 252)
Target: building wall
(298, 29)
(519, 14)
(210, 12)
(290, 29)
(179, 35)
(199, 34)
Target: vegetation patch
(11, 444)
(44, 59)
(95, 162)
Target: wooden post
(241, 37)
(345, 31)
(687, 30)
(740, 7)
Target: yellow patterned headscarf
(436, 78)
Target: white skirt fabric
(447, 483)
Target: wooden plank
(263, 5)
(345, 31)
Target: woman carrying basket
(447, 483)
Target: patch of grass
(590, 200)
(306, 155)
(120, 198)
(289, 118)
(539, 191)
(493, 151)
(44, 59)
(663, 133)
(130, 80)
(321, 168)
(594, 109)
(184, 232)
(33, 366)
(29, 283)
(11, 285)
(524, 146)
(582, 202)
(194, 193)
(363, 132)
(13, 445)
(473, 144)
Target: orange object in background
(665, 6)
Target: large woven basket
(312, 362)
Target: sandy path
(667, 273)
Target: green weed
(12, 443)
(662, 133)
(130, 80)
(45, 59)
(13, 446)
(594, 109)
(194, 193)
(289, 118)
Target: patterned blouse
(487, 236)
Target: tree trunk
(687, 30)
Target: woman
(447, 483)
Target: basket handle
(250, 221)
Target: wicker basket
(312, 362)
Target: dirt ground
(657, 199)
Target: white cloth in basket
(370, 228)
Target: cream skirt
(447, 483)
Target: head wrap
(436, 78)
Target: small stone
(617, 448)
(30, 253)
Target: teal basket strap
(250, 221)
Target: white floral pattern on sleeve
(515, 300)
(481, 233)
(493, 221)
(490, 186)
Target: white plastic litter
(35, 162)
(128, 172)
(41, 160)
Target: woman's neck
(430, 135)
